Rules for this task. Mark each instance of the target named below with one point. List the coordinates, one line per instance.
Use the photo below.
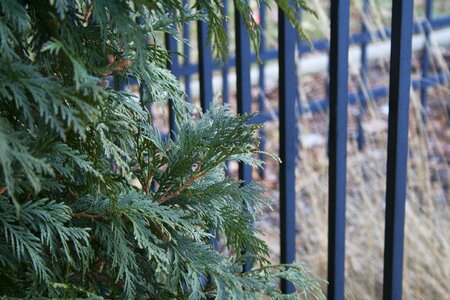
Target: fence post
(261, 83)
(298, 95)
(243, 93)
(172, 65)
(225, 97)
(205, 69)
(288, 141)
(399, 88)
(205, 66)
(186, 56)
(338, 94)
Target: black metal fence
(289, 49)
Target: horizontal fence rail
(188, 69)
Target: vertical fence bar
(186, 54)
(364, 90)
(298, 96)
(172, 64)
(399, 87)
(261, 82)
(225, 64)
(425, 58)
(338, 94)
(205, 69)
(116, 82)
(205, 65)
(262, 50)
(243, 93)
(288, 141)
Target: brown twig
(99, 265)
(147, 182)
(2, 190)
(115, 66)
(123, 63)
(184, 186)
(88, 216)
(165, 237)
(88, 13)
(73, 194)
(75, 277)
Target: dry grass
(427, 234)
(427, 237)
(427, 220)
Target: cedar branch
(184, 186)
(101, 216)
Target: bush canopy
(94, 201)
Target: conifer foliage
(72, 224)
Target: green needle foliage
(72, 224)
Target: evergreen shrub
(72, 223)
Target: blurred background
(427, 228)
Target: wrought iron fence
(290, 48)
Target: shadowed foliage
(94, 202)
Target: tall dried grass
(427, 235)
(427, 228)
